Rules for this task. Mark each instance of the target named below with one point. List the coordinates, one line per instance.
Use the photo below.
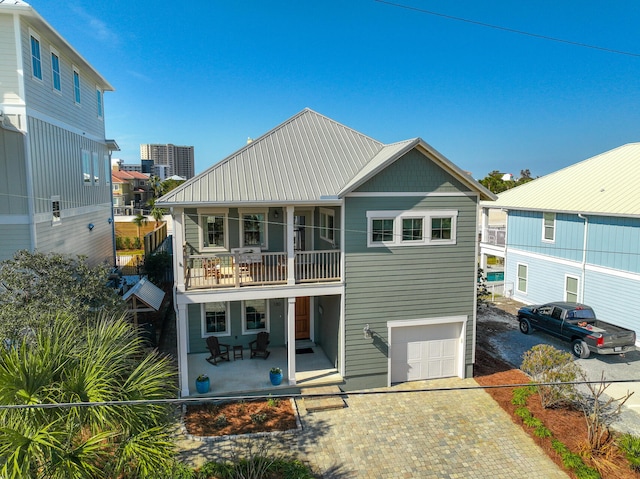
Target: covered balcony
(246, 267)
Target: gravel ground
(498, 333)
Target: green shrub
(546, 364)
(221, 421)
(571, 460)
(273, 402)
(532, 422)
(523, 413)
(520, 395)
(258, 418)
(559, 447)
(630, 446)
(542, 431)
(586, 472)
(127, 243)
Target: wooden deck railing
(224, 270)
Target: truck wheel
(580, 349)
(525, 327)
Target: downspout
(584, 255)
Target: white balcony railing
(226, 270)
(495, 235)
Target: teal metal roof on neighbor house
(607, 184)
(307, 159)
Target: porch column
(183, 365)
(291, 254)
(484, 222)
(291, 339)
(178, 249)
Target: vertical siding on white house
(13, 176)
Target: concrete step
(322, 403)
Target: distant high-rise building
(179, 159)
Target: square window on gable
(412, 229)
(382, 230)
(36, 62)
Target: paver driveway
(433, 434)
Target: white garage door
(425, 352)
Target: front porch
(251, 376)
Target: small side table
(237, 352)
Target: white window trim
(202, 214)
(203, 321)
(398, 216)
(545, 240)
(56, 221)
(100, 103)
(77, 100)
(325, 229)
(37, 37)
(53, 51)
(566, 277)
(89, 165)
(241, 213)
(526, 279)
(267, 322)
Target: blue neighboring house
(574, 235)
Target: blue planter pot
(202, 386)
(275, 378)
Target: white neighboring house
(55, 167)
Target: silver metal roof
(147, 292)
(307, 159)
(607, 184)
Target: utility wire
(510, 30)
(200, 400)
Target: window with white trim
(36, 63)
(107, 170)
(99, 101)
(215, 319)
(86, 168)
(441, 228)
(327, 225)
(55, 71)
(548, 227)
(55, 210)
(411, 228)
(522, 277)
(253, 229)
(571, 289)
(213, 227)
(95, 165)
(76, 85)
(255, 316)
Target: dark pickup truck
(577, 323)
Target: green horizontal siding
(405, 282)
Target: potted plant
(275, 375)
(202, 384)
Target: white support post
(178, 249)
(291, 339)
(183, 365)
(291, 254)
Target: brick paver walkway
(438, 434)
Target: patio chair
(217, 350)
(259, 345)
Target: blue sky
(211, 74)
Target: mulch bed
(245, 417)
(568, 426)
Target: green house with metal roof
(358, 259)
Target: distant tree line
(495, 183)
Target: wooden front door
(303, 321)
